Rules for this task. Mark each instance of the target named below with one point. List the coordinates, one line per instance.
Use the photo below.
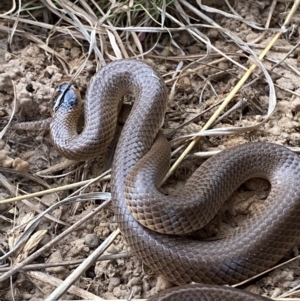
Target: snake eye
(70, 98)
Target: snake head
(66, 97)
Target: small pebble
(91, 240)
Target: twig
(63, 287)
(47, 246)
(46, 278)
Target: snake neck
(69, 142)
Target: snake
(156, 226)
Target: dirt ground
(35, 74)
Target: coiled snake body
(140, 163)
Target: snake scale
(140, 163)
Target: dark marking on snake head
(66, 97)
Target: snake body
(205, 293)
(141, 160)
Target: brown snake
(141, 160)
